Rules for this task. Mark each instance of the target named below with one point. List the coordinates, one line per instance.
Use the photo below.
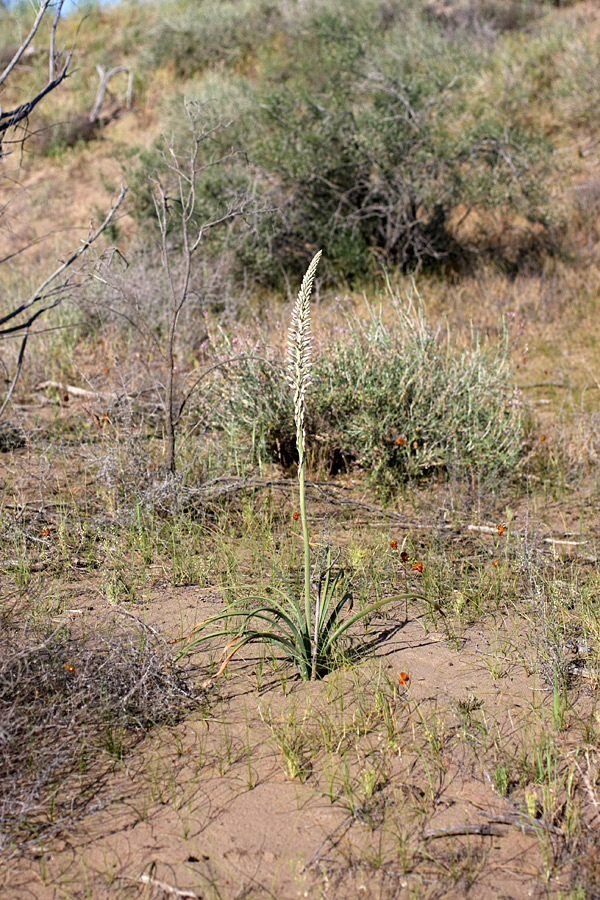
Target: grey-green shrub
(376, 139)
(401, 401)
(362, 128)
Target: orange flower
(394, 545)
(542, 438)
(418, 566)
(404, 556)
(399, 441)
(45, 532)
(296, 516)
(69, 667)
(415, 445)
(495, 562)
(402, 677)
(500, 529)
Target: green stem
(301, 476)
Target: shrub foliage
(364, 129)
(400, 401)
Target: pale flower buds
(299, 351)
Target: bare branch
(105, 77)
(55, 294)
(52, 48)
(13, 117)
(39, 293)
(73, 391)
(25, 44)
(453, 830)
(18, 368)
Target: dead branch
(25, 44)
(13, 117)
(485, 529)
(49, 296)
(527, 824)
(73, 391)
(105, 77)
(565, 543)
(185, 170)
(39, 294)
(453, 830)
(164, 887)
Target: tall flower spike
(299, 352)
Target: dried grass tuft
(69, 708)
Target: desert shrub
(192, 37)
(376, 150)
(361, 133)
(401, 401)
(543, 80)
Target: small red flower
(45, 532)
(501, 529)
(402, 677)
(404, 556)
(542, 438)
(418, 566)
(495, 562)
(394, 545)
(69, 667)
(399, 441)
(296, 516)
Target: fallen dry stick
(450, 830)
(566, 543)
(163, 886)
(525, 823)
(69, 389)
(486, 529)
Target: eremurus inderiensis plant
(298, 362)
(307, 632)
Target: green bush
(365, 128)
(400, 401)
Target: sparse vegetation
(71, 706)
(307, 630)
(400, 558)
